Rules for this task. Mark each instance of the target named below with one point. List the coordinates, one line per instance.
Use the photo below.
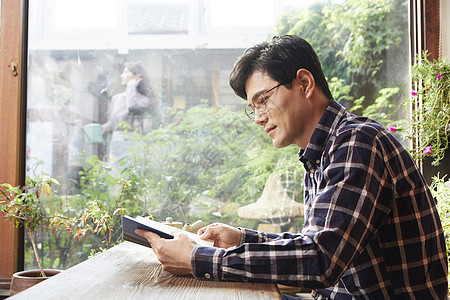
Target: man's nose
(260, 117)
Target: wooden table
(131, 271)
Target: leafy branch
(22, 205)
(96, 219)
(431, 116)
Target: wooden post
(12, 120)
(432, 27)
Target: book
(129, 225)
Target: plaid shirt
(371, 227)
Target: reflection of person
(371, 227)
(128, 107)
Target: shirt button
(207, 276)
(317, 161)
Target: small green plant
(430, 120)
(441, 193)
(92, 217)
(99, 221)
(22, 205)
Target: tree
(362, 45)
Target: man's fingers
(201, 230)
(206, 233)
(152, 238)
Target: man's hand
(224, 236)
(174, 254)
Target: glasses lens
(261, 104)
(249, 112)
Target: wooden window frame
(425, 27)
(12, 123)
(424, 35)
(432, 28)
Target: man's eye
(263, 100)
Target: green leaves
(22, 204)
(440, 189)
(205, 153)
(362, 47)
(430, 120)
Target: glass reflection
(182, 142)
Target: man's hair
(280, 58)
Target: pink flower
(391, 128)
(439, 76)
(413, 93)
(427, 150)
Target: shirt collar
(327, 125)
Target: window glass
(158, 17)
(221, 12)
(68, 15)
(129, 107)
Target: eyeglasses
(260, 103)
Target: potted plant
(22, 205)
(430, 129)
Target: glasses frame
(250, 108)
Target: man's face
(287, 114)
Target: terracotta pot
(25, 279)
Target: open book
(129, 225)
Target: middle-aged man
(371, 227)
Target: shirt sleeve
(135, 102)
(253, 236)
(114, 117)
(352, 200)
(125, 105)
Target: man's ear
(306, 82)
